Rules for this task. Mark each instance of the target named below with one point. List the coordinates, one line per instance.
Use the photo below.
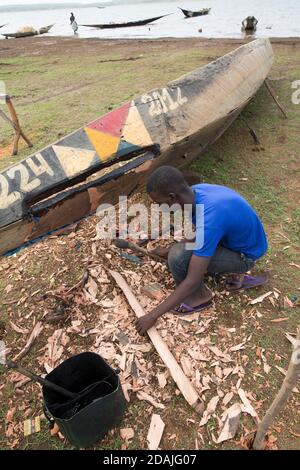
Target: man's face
(169, 199)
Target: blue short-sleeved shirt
(227, 219)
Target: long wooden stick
(176, 372)
(272, 93)
(282, 397)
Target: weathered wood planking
(183, 118)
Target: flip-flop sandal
(248, 282)
(190, 310)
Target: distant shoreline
(50, 6)
(67, 44)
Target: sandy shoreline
(64, 45)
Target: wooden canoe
(50, 189)
(26, 34)
(124, 25)
(192, 14)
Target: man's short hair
(165, 180)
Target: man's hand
(197, 268)
(144, 323)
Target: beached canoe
(25, 34)
(192, 14)
(169, 125)
(124, 25)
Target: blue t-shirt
(223, 217)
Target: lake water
(277, 18)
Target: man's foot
(199, 300)
(185, 309)
(246, 282)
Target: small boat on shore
(113, 155)
(192, 14)
(28, 31)
(124, 25)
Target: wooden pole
(176, 372)
(282, 397)
(272, 93)
(14, 122)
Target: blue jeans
(223, 261)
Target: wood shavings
(162, 381)
(155, 432)
(211, 407)
(232, 418)
(217, 352)
(248, 408)
(260, 298)
(33, 335)
(145, 396)
(127, 434)
(107, 351)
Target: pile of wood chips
(73, 305)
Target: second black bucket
(100, 404)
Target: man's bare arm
(197, 268)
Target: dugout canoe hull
(27, 34)
(50, 190)
(129, 24)
(193, 14)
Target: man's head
(166, 185)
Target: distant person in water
(73, 23)
(249, 23)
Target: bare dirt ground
(65, 46)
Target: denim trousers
(223, 261)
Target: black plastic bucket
(99, 406)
